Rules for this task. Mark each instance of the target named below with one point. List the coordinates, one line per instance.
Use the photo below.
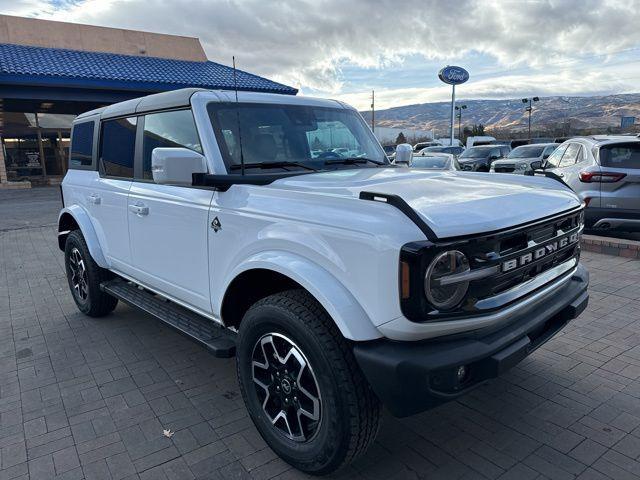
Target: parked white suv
(342, 283)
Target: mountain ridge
(555, 112)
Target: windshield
(294, 137)
(430, 162)
(475, 153)
(526, 152)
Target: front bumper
(410, 377)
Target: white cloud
(304, 43)
(23, 7)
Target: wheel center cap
(285, 384)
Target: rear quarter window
(620, 156)
(81, 152)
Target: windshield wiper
(264, 165)
(351, 161)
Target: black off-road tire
(350, 411)
(97, 303)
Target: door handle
(93, 198)
(139, 209)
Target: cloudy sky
(345, 48)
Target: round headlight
(522, 166)
(442, 292)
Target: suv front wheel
(302, 386)
(85, 276)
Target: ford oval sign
(453, 75)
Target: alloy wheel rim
(287, 387)
(78, 275)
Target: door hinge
(216, 225)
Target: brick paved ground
(89, 398)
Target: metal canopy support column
(41, 147)
(3, 165)
(61, 156)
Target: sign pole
(452, 75)
(453, 106)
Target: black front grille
(505, 254)
(504, 168)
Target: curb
(14, 185)
(611, 246)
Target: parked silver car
(604, 171)
(520, 158)
(455, 150)
(434, 161)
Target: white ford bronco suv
(339, 281)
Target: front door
(552, 164)
(168, 224)
(571, 165)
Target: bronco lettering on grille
(540, 252)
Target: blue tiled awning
(24, 65)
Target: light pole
(459, 108)
(529, 109)
(566, 127)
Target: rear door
(107, 195)
(620, 176)
(168, 224)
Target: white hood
(451, 203)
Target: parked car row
(603, 170)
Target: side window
(504, 151)
(81, 154)
(548, 151)
(554, 159)
(570, 155)
(168, 129)
(117, 147)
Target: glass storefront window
(22, 150)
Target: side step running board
(219, 341)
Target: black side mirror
(494, 157)
(537, 165)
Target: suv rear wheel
(85, 276)
(302, 386)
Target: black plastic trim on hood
(398, 202)
(222, 183)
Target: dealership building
(52, 71)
